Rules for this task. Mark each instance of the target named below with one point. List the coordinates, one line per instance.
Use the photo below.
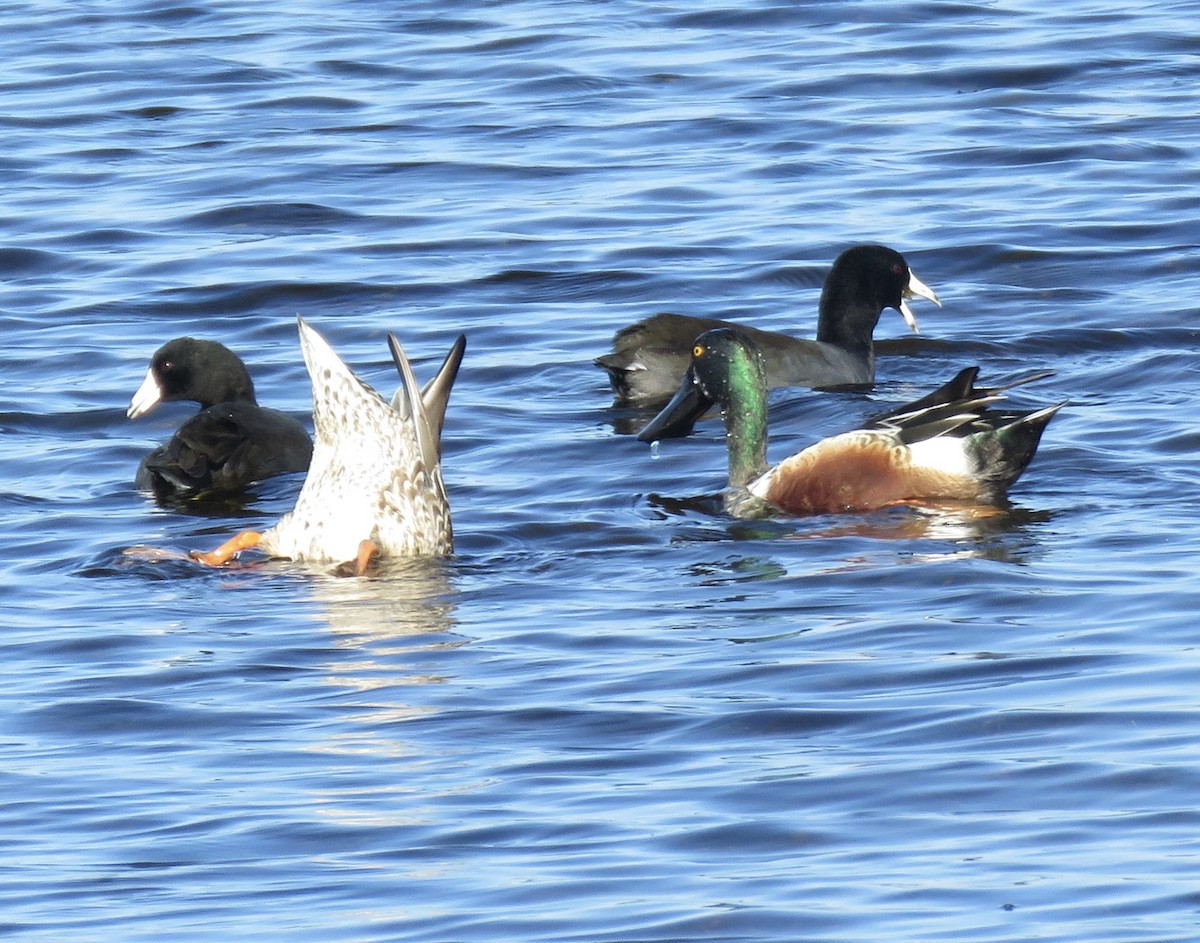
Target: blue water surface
(612, 716)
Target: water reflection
(252, 501)
(389, 628)
(957, 523)
(392, 632)
(1003, 533)
(405, 599)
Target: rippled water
(611, 716)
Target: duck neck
(846, 319)
(239, 387)
(746, 424)
(224, 381)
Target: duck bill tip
(148, 395)
(677, 419)
(915, 289)
(918, 289)
(909, 318)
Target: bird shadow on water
(414, 575)
(152, 564)
(252, 501)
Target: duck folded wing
(225, 448)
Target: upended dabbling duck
(650, 357)
(375, 485)
(945, 446)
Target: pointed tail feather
(1021, 437)
(1012, 447)
(426, 434)
(436, 394)
(318, 357)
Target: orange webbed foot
(224, 553)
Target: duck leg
(235, 545)
(366, 551)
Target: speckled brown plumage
(376, 469)
(375, 483)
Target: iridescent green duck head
(726, 370)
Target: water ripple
(614, 713)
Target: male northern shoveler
(945, 446)
(231, 442)
(375, 485)
(649, 358)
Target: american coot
(232, 441)
(649, 358)
(945, 446)
(375, 486)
